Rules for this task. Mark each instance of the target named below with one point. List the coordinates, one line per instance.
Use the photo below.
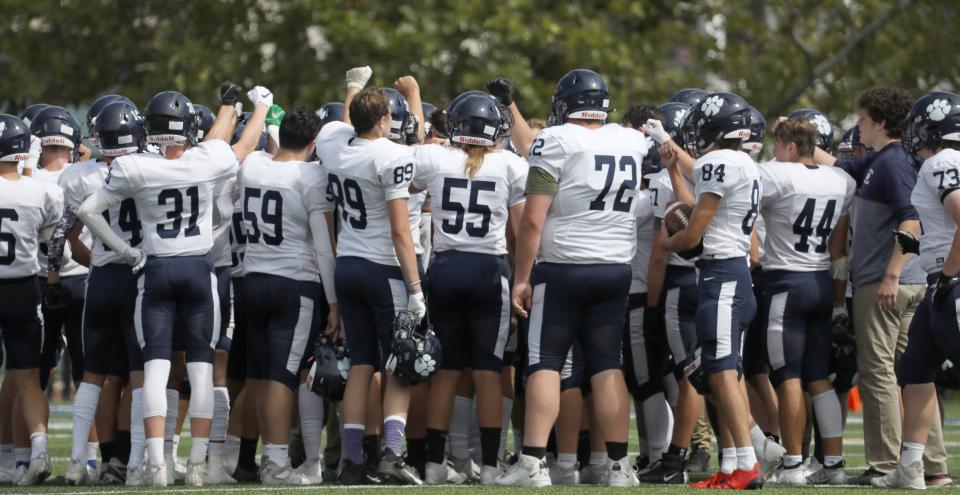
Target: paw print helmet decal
(933, 119)
(720, 116)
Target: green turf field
(853, 449)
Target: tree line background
(779, 55)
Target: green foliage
(779, 55)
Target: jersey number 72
(623, 200)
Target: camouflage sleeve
(59, 239)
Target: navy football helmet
(98, 105)
(428, 109)
(119, 129)
(690, 96)
(330, 112)
(331, 368)
(404, 125)
(31, 112)
(14, 139)
(415, 354)
(674, 115)
(474, 119)
(205, 120)
(238, 131)
(580, 94)
(849, 143)
(843, 362)
(171, 119)
(55, 126)
(821, 123)
(933, 119)
(718, 117)
(758, 128)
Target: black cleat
(668, 470)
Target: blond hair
(475, 156)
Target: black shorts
(178, 295)
(225, 294)
(370, 296)
(237, 361)
(934, 336)
(679, 303)
(644, 349)
(108, 321)
(725, 307)
(573, 302)
(469, 300)
(755, 339)
(798, 307)
(20, 322)
(282, 326)
(68, 323)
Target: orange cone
(853, 400)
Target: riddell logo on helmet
(472, 140)
(590, 115)
(163, 138)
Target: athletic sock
(247, 458)
(278, 454)
(460, 428)
(677, 451)
(107, 451)
(38, 444)
(831, 461)
(84, 413)
(656, 423)
(728, 460)
(352, 442)
(538, 452)
(198, 449)
(566, 461)
(583, 448)
(910, 453)
(598, 458)
(170, 420)
(792, 461)
(506, 411)
(490, 446)
(137, 440)
(436, 445)
(312, 410)
(829, 415)
(393, 428)
(155, 451)
(221, 417)
(746, 458)
(616, 450)
(122, 450)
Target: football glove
(357, 77)
(55, 298)
(502, 90)
(275, 115)
(135, 258)
(942, 289)
(416, 304)
(230, 93)
(907, 242)
(840, 319)
(654, 129)
(260, 95)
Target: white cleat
(275, 475)
(528, 472)
(38, 471)
(6, 476)
(154, 475)
(467, 467)
(77, 473)
(18, 473)
(769, 455)
(594, 474)
(910, 477)
(564, 475)
(217, 474)
(620, 474)
(828, 476)
(442, 474)
(791, 477)
(134, 476)
(196, 474)
(489, 474)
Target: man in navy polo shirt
(888, 285)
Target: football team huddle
(415, 279)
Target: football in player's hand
(677, 217)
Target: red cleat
(742, 480)
(710, 482)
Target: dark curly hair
(889, 105)
(299, 128)
(637, 115)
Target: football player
(284, 201)
(805, 209)
(29, 211)
(376, 273)
(111, 288)
(481, 192)
(721, 228)
(582, 186)
(933, 133)
(175, 200)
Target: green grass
(853, 451)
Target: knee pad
(155, 375)
(201, 385)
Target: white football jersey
(470, 215)
(27, 206)
(226, 194)
(734, 177)
(363, 176)
(81, 180)
(591, 219)
(641, 258)
(278, 198)
(661, 195)
(940, 173)
(68, 267)
(175, 198)
(800, 208)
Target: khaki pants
(702, 435)
(881, 340)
